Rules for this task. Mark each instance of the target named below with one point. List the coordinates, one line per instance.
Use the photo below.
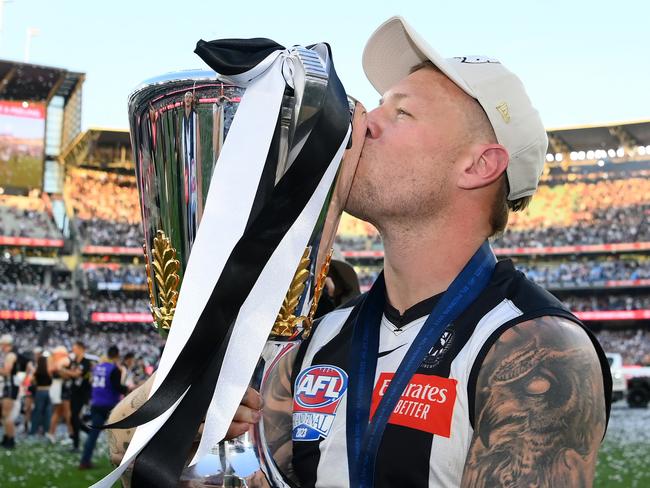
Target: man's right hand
(248, 414)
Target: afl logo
(320, 386)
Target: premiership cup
(179, 124)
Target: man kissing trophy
(241, 188)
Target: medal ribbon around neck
(364, 435)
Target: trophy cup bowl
(179, 123)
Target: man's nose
(374, 123)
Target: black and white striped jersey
(429, 432)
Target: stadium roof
(108, 149)
(23, 81)
(603, 136)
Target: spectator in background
(59, 392)
(79, 375)
(42, 380)
(107, 390)
(9, 390)
(128, 371)
(30, 388)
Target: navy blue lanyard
(364, 436)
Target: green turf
(42, 465)
(623, 467)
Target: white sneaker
(51, 438)
(66, 442)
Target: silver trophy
(179, 123)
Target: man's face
(77, 350)
(187, 100)
(6, 347)
(406, 171)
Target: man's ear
(484, 166)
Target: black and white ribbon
(244, 256)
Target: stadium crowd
(39, 299)
(113, 302)
(624, 301)
(22, 286)
(142, 340)
(106, 207)
(632, 344)
(586, 272)
(569, 213)
(129, 274)
(604, 226)
(26, 216)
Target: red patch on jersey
(426, 404)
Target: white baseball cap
(6, 339)
(395, 48)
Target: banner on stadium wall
(592, 248)
(602, 315)
(134, 287)
(131, 251)
(109, 286)
(116, 286)
(30, 241)
(111, 266)
(40, 315)
(135, 317)
(626, 283)
(524, 251)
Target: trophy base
(233, 464)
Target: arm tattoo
(113, 450)
(540, 409)
(118, 439)
(139, 398)
(277, 411)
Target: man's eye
(401, 111)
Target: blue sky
(583, 62)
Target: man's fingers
(252, 399)
(245, 414)
(236, 429)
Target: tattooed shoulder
(540, 409)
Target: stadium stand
(632, 344)
(27, 216)
(114, 276)
(602, 202)
(106, 207)
(141, 340)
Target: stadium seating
(106, 207)
(632, 344)
(26, 216)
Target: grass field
(38, 464)
(623, 459)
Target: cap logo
(476, 59)
(504, 111)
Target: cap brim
(394, 49)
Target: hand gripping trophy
(241, 189)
